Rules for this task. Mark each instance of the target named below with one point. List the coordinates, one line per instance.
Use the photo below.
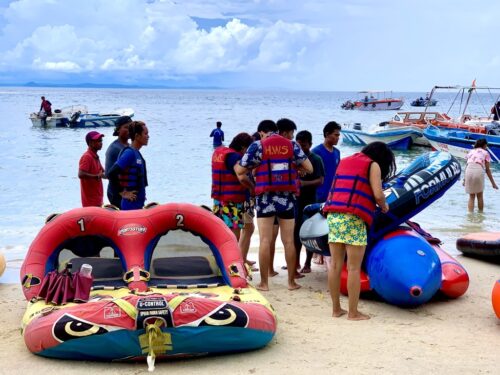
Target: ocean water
(38, 172)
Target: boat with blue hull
(78, 116)
(459, 143)
(397, 138)
(424, 102)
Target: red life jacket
(47, 107)
(225, 185)
(351, 192)
(277, 171)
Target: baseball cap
(122, 120)
(92, 136)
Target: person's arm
(305, 166)
(212, 133)
(242, 174)
(116, 169)
(376, 185)
(490, 176)
(84, 167)
(222, 138)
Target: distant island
(107, 86)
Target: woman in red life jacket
(228, 193)
(351, 203)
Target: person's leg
(265, 226)
(245, 238)
(296, 237)
(236, 232)
(334, 272)
(470, 205)
(307, 263)
(286, 229)
(354, 258)
(272, 249)
(480, 202)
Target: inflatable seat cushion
(181, 266)
(102, 268)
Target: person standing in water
(478, 164)
(218, 135)
(350, 206)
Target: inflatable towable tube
(144, 302)
(481, 244)
(411, 190)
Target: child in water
(355, 190)
(478, 164)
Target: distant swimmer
(218, 135)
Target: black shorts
(289, 214)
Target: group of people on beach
(272, 176)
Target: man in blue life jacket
(276, 161)
(218, 135)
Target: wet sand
(443, 336)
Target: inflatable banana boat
(401, 264)
(168, 281)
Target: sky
(326, 45)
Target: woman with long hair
(351, 204)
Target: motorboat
(459, 142)
(60, 118)
(397, 138)
(78, 116)
(424, 102)
(374, 101)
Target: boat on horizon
(78, 116)
(374, 101)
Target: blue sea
(38, 172)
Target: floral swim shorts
(346, 228)
(231, 213)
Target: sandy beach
(443, 336)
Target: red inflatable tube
(132, 233)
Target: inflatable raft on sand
(403, 264)
(153, 295)
(481, 244)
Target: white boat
(60, 117)
(78, 116)
(397, 138)
(374, 101)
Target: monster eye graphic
(226, 315)
(68, 327)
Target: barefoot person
(276, 160)
(356, 188)
(228, 193)
(478, 164)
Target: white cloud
(138, 36)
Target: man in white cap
(91, 172)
